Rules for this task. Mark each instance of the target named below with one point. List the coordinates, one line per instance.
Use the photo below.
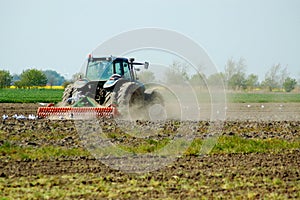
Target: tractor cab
(103, 68)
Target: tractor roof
(108, 58)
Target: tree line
(234, 77)
(31, 78)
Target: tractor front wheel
(68, 93)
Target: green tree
(235, 77)
(237, 81)
(5, 78)
(275, 77)
(252, 81)
(289, 84)
(19, 84)
(216, 79)
(31, 78)
(54, 78)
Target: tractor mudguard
(112, 81)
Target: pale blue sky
(58, 34)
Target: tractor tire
(109, 99)
(68, 93)
(111, 95)
(130, 101)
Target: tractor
(109, 86)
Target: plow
(109, 87)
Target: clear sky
(58, 34)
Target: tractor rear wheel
(130, 100)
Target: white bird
(248, 105)
(262, 106)
(4, 117)
(21, 117)
(32, 117)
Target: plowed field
(46, 159)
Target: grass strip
(225, 144)
(263, 97)
(54, 95)
(12, 152)
(30, 95)
(236, 144)
(89, 185)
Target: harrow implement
(82, 109)
(75, 112)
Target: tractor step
(75, 112)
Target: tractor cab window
(126, 70)
(122, 69)
(99, 70)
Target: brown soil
(212, 171)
